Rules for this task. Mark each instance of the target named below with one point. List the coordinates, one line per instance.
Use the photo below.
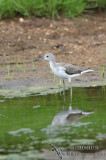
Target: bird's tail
(88, 70)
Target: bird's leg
(70, 94)
(64, 93)
(54, 79)
(63, 86)
(60, 83)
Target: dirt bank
(80, 41)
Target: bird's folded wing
(70, 69)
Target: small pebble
(21, 20)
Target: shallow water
(35, 122)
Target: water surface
(32, 123)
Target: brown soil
(80, 41)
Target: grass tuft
(8, 69)
(103, 71)
(24, 66)
(48, 8)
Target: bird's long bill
(40, 59)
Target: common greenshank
(63, 70)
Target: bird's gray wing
(71, 69)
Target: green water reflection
(26, 123)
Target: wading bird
(63, 70)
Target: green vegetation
(48, 8)
(91, 4)
(16, 63)
(24, 66)
(103, 71)
(8, 69)
(33, 65)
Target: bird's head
(47, 56)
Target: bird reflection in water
(68, 115)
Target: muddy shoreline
(80, 41)
(50, 155)
(43, 83)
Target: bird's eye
(47, 56)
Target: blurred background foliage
(49, 8)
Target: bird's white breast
(58, 71)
